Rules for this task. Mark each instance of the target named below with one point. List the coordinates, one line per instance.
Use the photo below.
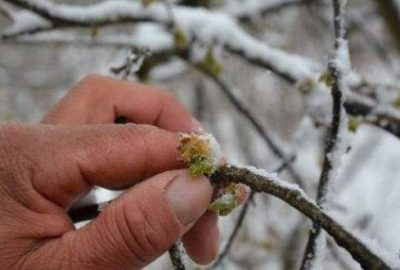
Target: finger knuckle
(89, 84)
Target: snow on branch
(159, 41)
(177, 254)
(103, 13)
(24, 21)
(339, 66)
(369, 111)
(239, 224)
(209, 27)
(206, 26)
(261, 181)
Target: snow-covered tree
(308, 90)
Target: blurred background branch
(390, 12)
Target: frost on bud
(201, 152)
(227, 201)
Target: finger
(138, 227)
(99, 99)
(68, 160)
(202, 241)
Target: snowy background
(37, 70)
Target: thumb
(139, 226)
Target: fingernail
(189, 196)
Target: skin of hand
(46, 167)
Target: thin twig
(5, 11)
(359, 24)
(385, 117)
(132, 63)
(332, 137)
(87, 212)
(390, 11)
(289, 254)
(265, 8)
(176, 256)
(226, 89)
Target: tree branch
(358, 23)
(248, 10)
(239, 223)
(176, 256)
(385, 117)
(390, 11)
(295, 197)
(87, 212)
(294, 243)
(332, 139)
(6, 11)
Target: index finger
(100, 100)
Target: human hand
(46, 167)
